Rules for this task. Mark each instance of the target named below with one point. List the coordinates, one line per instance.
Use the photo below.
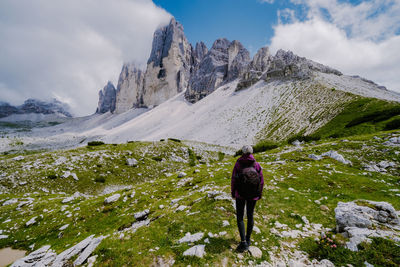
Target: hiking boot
(248, 242)
(242, 247)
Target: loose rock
(198, 251)
(255, 252)
(112, 199)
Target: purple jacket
(246, 159)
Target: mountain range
(222, 96)
(36, 106)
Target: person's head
(246, 150)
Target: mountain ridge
(174, 66)
(35, 106)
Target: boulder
(132, 162)
(181, 174)
(31, 221)
(62, 228)
(112, 199)
(365, 219)
(140, 216)
(88, 251)
(189, 238)
(255, 252)
(198, 251)
(336, 156)
(315, 157)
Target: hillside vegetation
(187, 189)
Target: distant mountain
(37, 107)
(175, 66)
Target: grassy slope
(361, 116)
(311, 180)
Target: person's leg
(250, 205)
(240, 203)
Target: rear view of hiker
(246, 187)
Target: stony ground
(158, 202)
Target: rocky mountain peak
(129, 88)
(261, 60)
(169, 65)
(175, 66)
(200, 50)
(238, 59)
(107, 97)
(224, 62)
(198, 54)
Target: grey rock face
(107, 98)
(238, 59)
(284, 65)
(168, 68)
(359, 222)
(287, 64)
(129, 88)
(223, 63)
(211, 72)
(261, 60)
(198, 54)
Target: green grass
(380, 252)
(362, 116)
(290, 192)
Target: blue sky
(44, 57)
(249, 21)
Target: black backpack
(249, 181)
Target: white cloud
(352, 38)
(69, 49)
(267, 1)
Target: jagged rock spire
(107, 97)
(129, 88)
(223, 63)
(168, 68)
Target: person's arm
(233, 180)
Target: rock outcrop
(129, 88)
(238, 59)
(107, 98)
(360, 220)
(198, 54)
(284, 65)
(223, 63)
(35, 106)
(168, 68)
(45, 256)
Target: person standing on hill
(246, 188)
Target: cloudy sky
(70, 49)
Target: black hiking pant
(250, 205)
